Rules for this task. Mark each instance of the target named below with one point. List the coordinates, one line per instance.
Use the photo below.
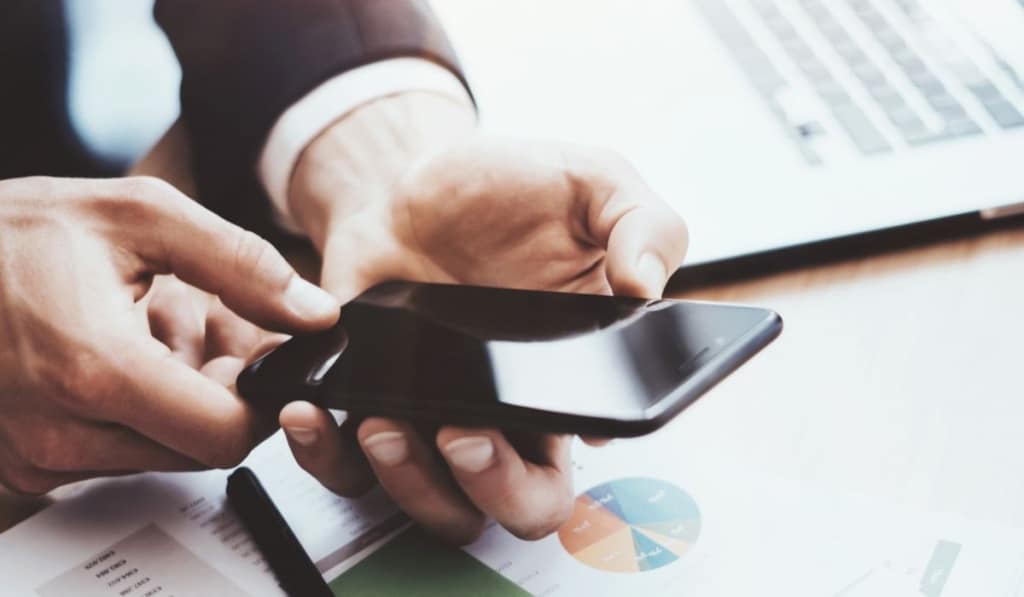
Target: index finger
(173, 233)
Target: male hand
(85, 387)
(405, 189)
(200, 331)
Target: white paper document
(645, 522)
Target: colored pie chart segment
(633, 524)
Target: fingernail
(652, 272)
(387, 447)
(304, 436)
(471, 454)
(308, 300)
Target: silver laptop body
(769, 123)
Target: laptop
(772, 126)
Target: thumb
(248, 274)
(344, 283)
(351, 265)
(646, 245)
(643, 238)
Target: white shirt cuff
(331, 101)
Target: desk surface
(897, 376)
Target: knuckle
(148, 189)
(126, 201)
(140, 201)
(34, 187)
(44, 192)
(251, 252)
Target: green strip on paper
(415, 564)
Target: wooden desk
(897, 376)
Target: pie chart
(633, 524)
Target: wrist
(358, 160)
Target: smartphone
(543, 361)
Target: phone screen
(464, 347)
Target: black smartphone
(543, 361)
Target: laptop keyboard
(885, 75)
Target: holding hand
(200, 331)
(85, 387)
(405, 189)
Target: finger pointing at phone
(85, 387)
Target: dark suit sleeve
(244, 62)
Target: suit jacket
(244, 62)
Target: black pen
(287, 558)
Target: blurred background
(856, 116)
(122, 79)
(100, 88)
(116, 45)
